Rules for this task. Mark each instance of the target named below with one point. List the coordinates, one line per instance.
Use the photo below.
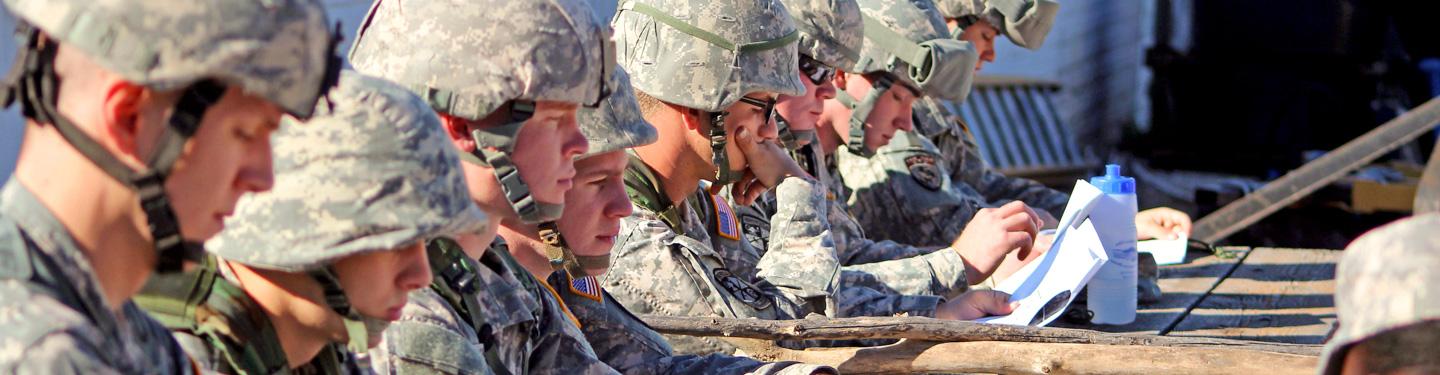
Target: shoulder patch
(742, 290)
(726, 225)
(587, 287)
(757, 231)
(923, 170)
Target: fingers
(997, 303)
(1021, 222)
(1020, 242)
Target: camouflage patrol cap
(707, 54)
(1386, 280)
(831, 31)
(279, 50)
(373, 172)
(466, 58)
(908, 39)
(1025, 22)
(617, 124)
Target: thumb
(997, 303)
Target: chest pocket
(727, 292)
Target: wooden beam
(1032, 358)
(1315, 174)
(929, 329)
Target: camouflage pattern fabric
(748, 49)
(224, 330)
(631, 347)
(617, 123)
(913, 191)
(665, 261)
(372, 171)
(282, 51)
(1025, 22)
(55, 319)
(1385, 281)
(525, 332)
(467, 58)
(830, 30)
(878, 278)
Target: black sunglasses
(767, 105)
(816, 71)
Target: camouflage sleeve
(864, 301)
(904, 194)
(968, 169)
(55, 354)
(941, 273)
(801, 258)
(429, 339)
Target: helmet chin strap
(493, 146)
(723, 174)
(33, 82)
(563, 258)
(358, 327)
(790, 138)
(860, 111)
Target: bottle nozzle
(1112, 170)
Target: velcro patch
(742, 290)
(922, 168)
(726, 225)
(757, 231)
(586, 287)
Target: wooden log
(1033, 358)
(938, 330)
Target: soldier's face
(891, 112)
(755, 120)
(595, 205)
(802, 112)
(227, 157)
(982, 35)
(546, 149)
(377, 283)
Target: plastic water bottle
(1112, 290)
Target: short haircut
(648, 104)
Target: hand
(1047, 220)
(976, 304)
(1161, 222)
(769, 164)
(992, 234)
(1013, 262)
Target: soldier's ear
(458, 129)
(120, 115)
(691, 117)
(840, 79)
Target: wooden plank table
(1264, 294)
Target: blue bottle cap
(1112, 182)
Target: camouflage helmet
(906, 40)
(831, 31)
(1386, 280)
(706, 54)
(1025, 22)
(279, 51)
(469, 58)
(617, 123)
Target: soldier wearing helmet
(706, 74)
(146, 122)
(891, 278)
(593, 210)
(307, 275)
(506, 78)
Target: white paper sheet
(1166, 252)
(1046, 286)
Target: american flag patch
(586, 287)
(725, 222)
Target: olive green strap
(644, 190)
(718, 41)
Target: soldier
(502, 74)
(914, 281)
(947, 185)
(311, 272)
(146, 121)
(1387, 302)
(593, 209)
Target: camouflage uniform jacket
(224, 330)
(55, 319)
(628, 345)
(879, 278)
(665, 261)
(480, 318)
(923, 191)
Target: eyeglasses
(767, 105)
(816, 71)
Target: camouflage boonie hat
(831, 31)
(373, 172)
(1386, 280)
(466, 58)
(617, 124)
(1025, 22)
(707, 54)
(279, 50)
